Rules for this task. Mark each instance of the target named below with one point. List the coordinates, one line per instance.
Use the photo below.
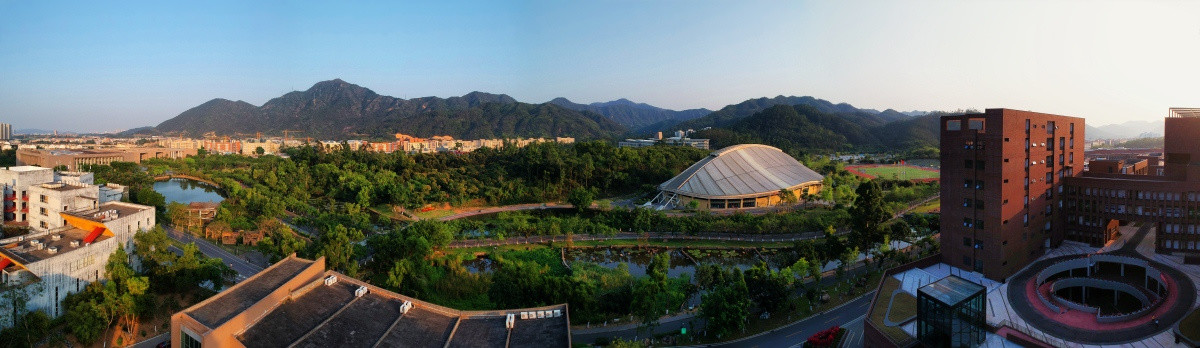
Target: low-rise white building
(44, 267)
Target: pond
(187, 191)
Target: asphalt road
(849, 315)
(244, 268)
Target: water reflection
(186, 191)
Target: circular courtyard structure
(1101, 298)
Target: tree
(900, 230)
(788, 196)
(769, 289)
(86, 321)
(337, 248)
(259, 151)
(727, 306)
(581, 198)
(869, 212)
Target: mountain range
(336, 109)
(1126, 130)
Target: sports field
(894, 171)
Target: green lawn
(934, 205)
(898, 172)
(876, 313)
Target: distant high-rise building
(1011, 165)
(5, 131)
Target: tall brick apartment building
(1097, 201)
(1002, 182)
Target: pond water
(186, 191)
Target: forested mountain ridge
(336, 109)
(732, 113)
(634, 116)
(807, 128)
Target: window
(979, 184)
(966, 241)
(953, 125)
(966, 260)
(1027, 129)
(42, 198)
(975, 124)
(1062, 143)
(43, 212)
(1049, 129)
(979, 164)
(979, 224)
(187, 341)
(967, 183)
(1049, 161)
(978, 204)
(966, 202)
(44, 224)
(1071, 157)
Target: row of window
(732, 203)
(1146, 195)
(1174, 244)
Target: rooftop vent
(541, 314)
(509, 320)
(362, 290)
(557, 313)
(330, 280)
(74, 244)
(52, 250)
(56, 237)
(524, 315)
(404, 307)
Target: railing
(1047, 302)
(1036, 334)
(10, 197)
(1061, 266)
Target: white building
(47, 266)
(15, 182)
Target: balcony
(10, 197)
(10, 209)
(25, 198)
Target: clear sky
(97, 66)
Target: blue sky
(85, 66)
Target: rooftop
(61, 187)
(740, 171)
(28, 251)
(109, 211)
(334, 315)
(26, 168)
(951, 290)
(233, 301)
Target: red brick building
(1168, 198)
(1002, 178)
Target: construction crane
(287, 134)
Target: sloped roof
(741, 171)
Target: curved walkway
(1178, 304)
(724, 237)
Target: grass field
(891, 171)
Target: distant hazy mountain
(40, 131)
(634, 116)
(1130, 129)
(336, 109)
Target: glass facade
(951, 313)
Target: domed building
(739, 176)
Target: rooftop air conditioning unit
(74, 244)
(52, 250)
(330, 280)
(509, 320)
(56, 237)
(541, 314)
(557, 313)
(404, 307)
(524, 315)
(362, 290)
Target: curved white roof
(741, 171)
